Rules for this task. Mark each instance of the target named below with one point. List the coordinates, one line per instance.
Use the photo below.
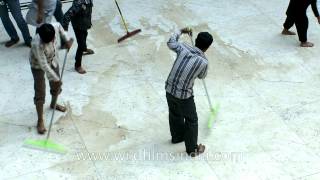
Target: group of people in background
(45, 44)
(41, 12)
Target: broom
(129, 34)
(213, 110)
(47, 144)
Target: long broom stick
(55, 104)
(129, 34)
(213, 110)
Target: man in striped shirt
(191, 63)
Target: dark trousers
(58, 14)
(14, 7)
(301, 25)
(81, 36)
(40, 86)
(183, 121)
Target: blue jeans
(14, 7)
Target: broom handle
(207, 93)
(55, 105)
(124, 22)
(203, 82)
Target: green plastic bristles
(213, 115)
(45, 145)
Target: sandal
(88, 52)
(200, 149)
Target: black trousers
(81, 36)
(301, 25)
(183, 121)
(58, 13)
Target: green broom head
(213, 115)
(45, 145)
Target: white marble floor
(117, 126)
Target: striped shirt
(190, 64)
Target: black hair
(46, 32)
(204, 40)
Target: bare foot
(40, 127)
(59, 108)
(200, 149)
(80, 70)
(287, 32)
(306, 44)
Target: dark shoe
(80, 70)
(200, 149)
(11, 42)
(176, 141)
(28, 44)
(88, 52)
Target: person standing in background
(80, 16)
(42, 11)
(14, 7)
(297, 14)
